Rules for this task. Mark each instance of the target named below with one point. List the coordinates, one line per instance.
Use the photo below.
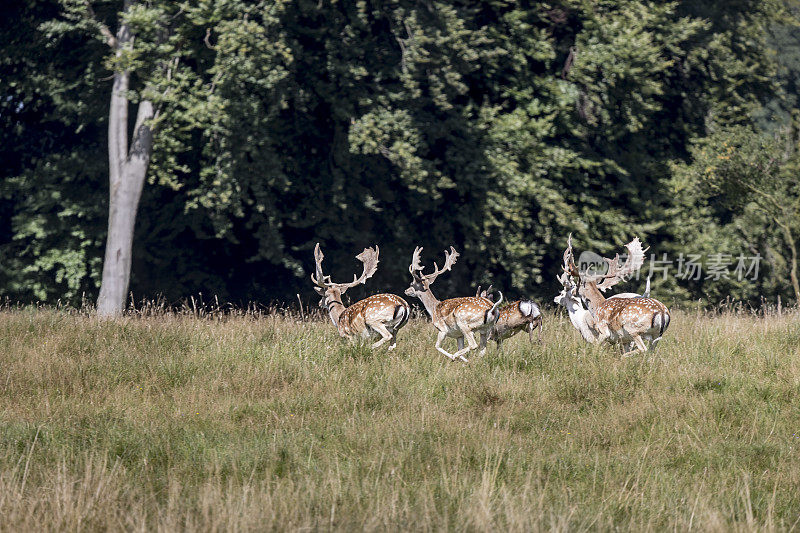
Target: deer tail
(493, 314)
(661, 321)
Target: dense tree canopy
(497, 127)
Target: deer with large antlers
(581, 318)
(627, 319)
(514, 317)
(376, 317)
(458, 318)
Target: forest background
(497, 127)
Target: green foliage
(496, 127)
(745, 181)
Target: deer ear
(320, 291)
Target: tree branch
(110, 39)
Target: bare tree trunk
(127, 170)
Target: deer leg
(640, 346)
(385, 335)
(471, 344)
(439, 339)
(484, 340)
(654, 344)
(460, 342)
(603, 332)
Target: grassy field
(176, 422)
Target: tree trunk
(127, 170)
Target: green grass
(176, 422)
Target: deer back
(633, 315)
(516, 316)
(386, 309)
(471, 309)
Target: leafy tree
(740, 170)
(51, 127)
(498, 127)
(144, 45)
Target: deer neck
(594, 297)
(335, 310)
(430, 302)
(579, 318)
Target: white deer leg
(654, 344)
(442, 335)
(385, 335)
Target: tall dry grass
(248, 422)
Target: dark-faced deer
(459, 318)
(376, 317)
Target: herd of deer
(626, 319)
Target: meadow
(270, 422)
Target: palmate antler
(416, 267)
(565, 280)
(617, 273)
(569, 261)
(369, 257)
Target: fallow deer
(458, 318)
(580, 317)
(378, 316)
(622, 320)
(514, 317)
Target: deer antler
(486, 293)
(617, 273)
(450, 257)
(415, 267)
(569, 260)
(566, 280)
(319, 280)
(369, 257)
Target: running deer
(515, 317)
(580, 317)
(458, 318)
(626, 319)
(376, 317)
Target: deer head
(568, 290)
(332, 292)
(420, 282)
